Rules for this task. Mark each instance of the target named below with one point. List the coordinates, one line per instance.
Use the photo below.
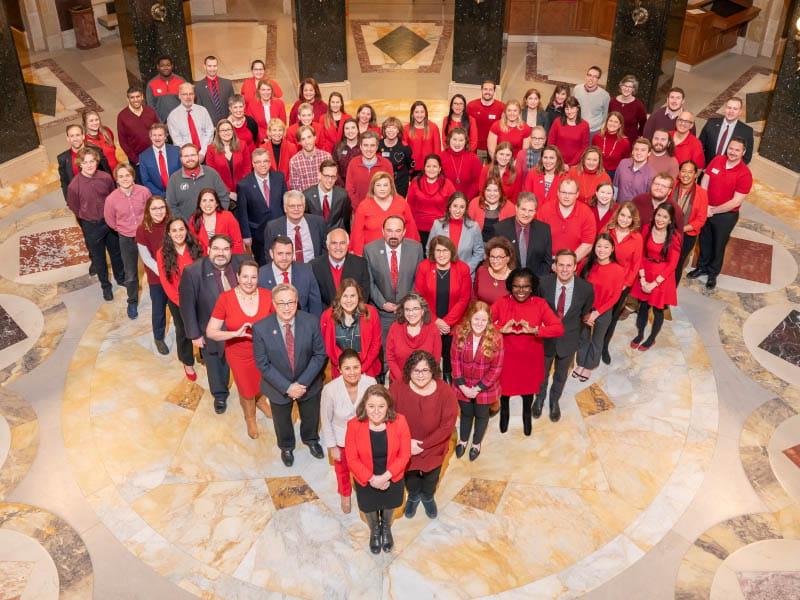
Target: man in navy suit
(719, 131)
(290, 354)
(281, 269)
(154, 160)
(259, 198)
(307, 231)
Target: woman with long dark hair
(329, 130)
(589, 173)
(309, 93)
(489, 208)
(693, 200)
(258, 71)
(543, 180)
(503, 168)
(149, 237)
(421, 135)
(209, 219)
(570, 133)
(457, 117)
(264, 108)
(612, 143)
(533, 113)
(229, 157)
(346, 149)
(101, 136)
(428, 195)
(367, 119)
(461, 230)
(555, 106)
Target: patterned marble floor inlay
(383, 46)
(784, 340)
(793, 454)
(593, 400)
(186, 394)
(71, 98)
(483, 494)
(289, 491)
(748, 259)
(401, 44)
(779, 585)
(52, 249)
(10, 332)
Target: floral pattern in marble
(52, 249)
(24, 428)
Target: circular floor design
(758, 326)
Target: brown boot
(249, 410)
(263, 406)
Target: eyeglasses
(538, 138)
(685, 121)
(412, 309)
(425, 371)
(287, 304)
(498, 257)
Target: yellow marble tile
(289, 491)
(18, 195)
(593, 400)
(482, 494)
(186, 395)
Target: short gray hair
(285, 287)
(332, 231)
(293, 194)
(527, 197)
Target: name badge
(386, 154)
(715, 171)
(492, 117)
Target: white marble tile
(786, 435)
(29, 563)
(5, 440)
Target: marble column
(638, 49)
(145, 38)
(478, 41)
(779, 141)
(321, 39)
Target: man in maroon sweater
(133, 126)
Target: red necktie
(562, 301)
(162, 168)
(266, 192)
(326, 207)
(394, 270)
(721, 145)
(298, 245)
(192, 129)
(289, 345)
(215, 94)
(286, 277)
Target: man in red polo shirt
(486, 111)
(572, 224)
(728, 180)
(362, 168)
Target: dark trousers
(615, 313)
(560, 370)
(422, 483)
(423, 239)
(130, 263)
(714, 237)
(592, 340)
(158, 310)
(447, 344)
(687, 245)
(472, 411)
(219, 373)
(183, 345)
(100, 238)
(309, 422)
(259, 251)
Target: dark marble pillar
(478, 41)
(145, 38)
(16, 120)
(638, 49)
(321, 39)
(779, 141)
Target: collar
(334, 263)
(194, 173)
(569, 285)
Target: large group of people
(391, 279)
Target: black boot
(387, 541)
(538, 404)
(504, 401)
(429, 504)
(412, 502)
(527, 426)
(606, 356)
(373, 520)
(555, 411)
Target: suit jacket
(251, 210)
(470, 244)
(581, 305)
(302, 277)
(198, 292)
(148, 168)
(269, 351)
(203, 97)
(708, 137)
(355, 267)
(316, 225)
(381, 290)
(540, 247)
(341, 208)
(65, 168)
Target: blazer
(341, 207)
(711, 130)
(198, 292)
(470, 244)
(65, 168)
(460, 292)
(300, 277)
(370, 332)
(354, 267)
(288, 150)
(251, 209)
(269, 351)
(242, 165)
(336, 409)
(202, 96)
(581, 305)
(540, 248)
(148, 168)
(358, 448)
(381, 290)
(316, 226)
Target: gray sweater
(182, 191)
(594, 105)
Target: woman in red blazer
(209, 219)
(352, 323)
(693, 201)
(280, 149)
(330, 126)
(544, 178)
(378, 431)
(265, 104)
(228, 156)
(258, 70)
(444, 271)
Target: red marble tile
(746, 259)
(50, 250)
(793, 454)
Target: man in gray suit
(213, 92)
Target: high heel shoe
(191, 376)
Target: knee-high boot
(504, 413)
(387, 541)
(373, 520)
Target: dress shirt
(261, 181)
(630, 181)
(305, 236)
(283, 329)
(568, 296)
(728, 133)
(124, 212)
(178, 125)
(336, 264)
(279, 274)
(389, 254)
(322, 193)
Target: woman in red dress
(421, 135)
(632, 110)
(309, 93)
(244, 126)
(280, 149)
(510, 128)
(330, 125)
(258, 70)
(264, 108)
(461, 166)
(367, 119)
(237, 309)
(229, 157)
(411, 331)
(543, 180)
(491, 276)
(346, 150)
(524, 320)
(489, 208)
(655, 288)
(503, 168)
(693, 200)
(602, 205)
(210, 219)
(589, 173)
(457, 118)
(428, 194)
(477, 364)
(101, 136)
(570, 133)
(613, 144)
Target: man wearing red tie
(158, 161)
(190, 122)
(327, 199)
(283, 269)
(718, 132)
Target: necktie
(226, 285)
(562, 301)
(326, 207)
(162, 168)
(266, 192)
(286, 277)
(721, 144)
(523, 247)
(192, 129)
(214, 87)
(394, 270)
(289, 345)
(298, 245)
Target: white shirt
(322, 193)
(178, 125)
(728, 133)
(389, 255)
(305, 237)
(279, 273)
(568, 295)
(261, 181)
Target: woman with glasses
(229, 157)
(491, 276)
(632, 109)
(411, 331)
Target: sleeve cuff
(460, 381)
(483, 386)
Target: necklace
(612, 147)
(457, 169)
(442, 274)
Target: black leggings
(641, 322)
(616, 312)
(422, 483)
(472, 411)
(447, 343)
(527, 402)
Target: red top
(291, 133)
(587, 182)
(421, 144)
(459, 293)
(515, 135)
(571, 231)
(477, 214)
(511, 189)
(242, 164)
(370, 332)
(288, 150)
(226, 224)
(328, 137)
(244, 134)
(606, 218)
(629, 254)
(486, 288)
(644, 204)
(689, 149)
(724, 182)
(572, 140)
(249, 89)
(171, 286)
(472, 369)
(633, 113)
(400, 344)
(320, 110)
(151, 240)
(535, 183)
(698, 213)
(134, 132)
(612, 149)
(463, 169)
(368, 222)
(358, 449)
(277, 110)
(430, 419)
(428, 201)
(485, 117)
(358, 177)
(473, 131)
(665, 294)
(607, 281)
(107, 146)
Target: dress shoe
(108, 294)
(92, 271)
(606, 356)
(711, 283)
(412, 502)
(538, 404)
(374, 532)
(429, 504)
(387, 540)
(461, 447)
(190, 375)
(220, 405)
(315, 449)
(555, 411)
(695, 273)
(474, 453)
(646, 345)
(133, 312)
(287, 456)
(162, 347)
(504, 414)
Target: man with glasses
(594, 100)
(328, 200)
(660, 191)
(529, 157)
(572, 223)
(185, 184)
(686, 145)
(338, 264)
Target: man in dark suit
(327, 200)
(157, 160)
(67, 160)
(201, 284)
(338, 264)
(533, 245)
(259, 199)
(307, 231)
(290, 354)
(213, 92)
(719, 131)
(282, 269)
(571, 298)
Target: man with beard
(665, 117)
(283, 269)
(185, 184)
(660, 191)
(162, 90)
(661, 158)
(486, 111)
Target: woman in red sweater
(602, 205)
(100, 136)
(489, 208)
(210, 219)
(428, 195)
(411, 331)
(229, 157)
(367, 119)
(510, 128)
(607, 277)
(264, 108)
(570, 133)
(613, 144)
(461, 166)
(329, 127)
(258, 70)
(346, 150)
(457, 118)
(503, 168)
(309, 93)
(589, 173)
(280, 149)
(421, 135)
(543, 180)
(693, 200)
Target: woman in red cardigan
(460, 165)
(351, 323)
(444, 281)
(377, 448)
(421, 135)
(330, 126)
(613, 144)
(264, 108)
(411, 331)
(309, 93)
(428, 194)
(543, 180)
(589, 173)
(210, 219)
(178, 251)
(570, 133)
(602, 205)
(229, 157)
(503, 168)
(258, 70)
(280, 149)
(477, 364)
(489, 208)
(693, 201)
(457, 118)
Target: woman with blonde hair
(101, 136)
(510, 128)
